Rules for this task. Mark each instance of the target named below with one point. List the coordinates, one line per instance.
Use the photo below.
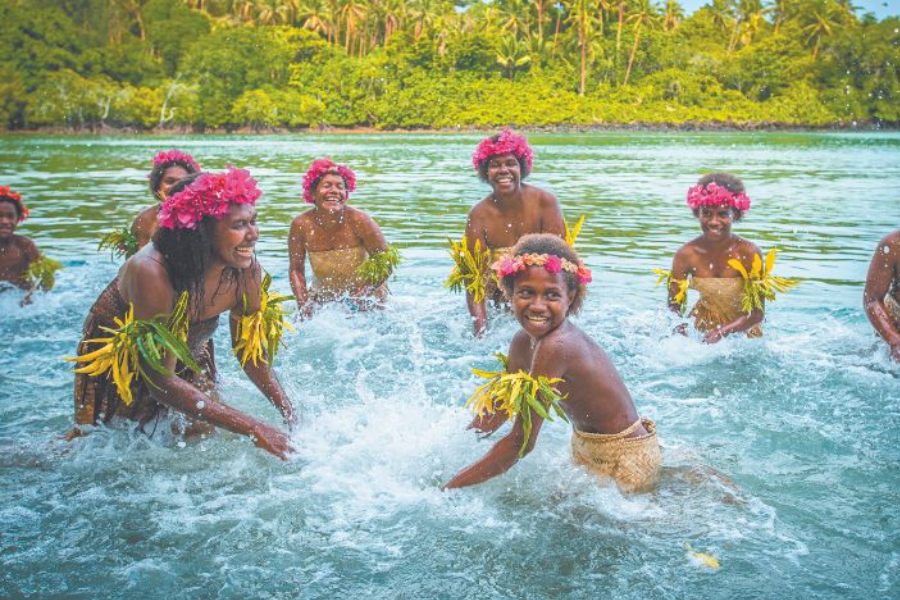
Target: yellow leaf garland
(135, 342)
(379, 266)
(471, 269)
(516, 394)
(572, 234)
(681, 297)
(702, 558)
(42, 273)
(120, 243)
(259, 333)
(759, 283)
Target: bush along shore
(273, 66)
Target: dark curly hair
(156, 175)
(483, 165)
(188, 253)
(545, 243)
(728, 181)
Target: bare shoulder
(544, 198)
(519, 348)
(302, 222)
(890, 244)
(360, 218)
(148, 213)
(26, 245)
(145, 283)
(482, 209)
(688, 251)
(747, 249)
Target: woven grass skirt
(633, 463)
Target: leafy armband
(134, 342)
(259, 333)
(516, 394)
(759, 283)
(379, 266)
(681, 297)
(120, 243)
(41, 273)
(471, 270)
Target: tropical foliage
(264, 64)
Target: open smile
(245, 250)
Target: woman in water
(496, 223)
(728, 271)
(347, 252)
(21, 263)
(882, 293)
(168, 169)
(165, 305)
(554, 368)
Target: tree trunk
(582, 39)
(637, 39)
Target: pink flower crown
(552, 263)
(716, 195)
(507, 143)
(210, 195)
(174, 155)
(6, 192)
(322, 167)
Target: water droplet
(201, 405)
(182, 444)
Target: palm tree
(511, 54)
(673, 16)
(821, 23)
(353, 12)
(315, 17)
(582, 16)
(643, 16)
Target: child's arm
(478, 310)
(878, 283)
(501, 457)
(681, 269)
(297, 266)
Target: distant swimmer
(21, 263)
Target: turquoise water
(804, 422)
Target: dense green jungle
(269, 65)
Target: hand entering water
(272, 440)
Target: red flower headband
(210, 195)
(550, 262)
(507, 143)
(319, 169)
(174, 155)
(716, 195)
(6, 192)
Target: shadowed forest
(268, 65)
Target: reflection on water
(801, 426)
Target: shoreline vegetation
(366, 66)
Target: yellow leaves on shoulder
(259, 333)
(41, 273)
(134, 342)
(680, 297)
(759, 283)
(471, 269)
(516, 394)
(572, 234)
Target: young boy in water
(17, 252)
(546, 283)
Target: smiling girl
(511, 210)
(349, 256)
(715, 264)
(555, 368)
(165, 305)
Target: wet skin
(146, 223)
(512, 210)
(330, 225)
(548, 344)
(143, 281)
(882, 278)
(708, 256)
(16, 252)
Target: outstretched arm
(879, 279)
(501, 457)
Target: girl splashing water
(554, 368)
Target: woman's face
(170, 177)
(234, 237)
(331, 193)
(504, 173)
(9, 219)
(541, 300)
(715, 221)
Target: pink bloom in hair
(174, 155)
(716, 195)
(583, 274)
(553, 264)
(210, 195)
(321, 167)
(507, 143)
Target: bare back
(597, 400)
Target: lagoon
(802, 425)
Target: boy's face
(715, 221)
(540, 301)
(9, 219)
(504, 173)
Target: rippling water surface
(802, 426)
